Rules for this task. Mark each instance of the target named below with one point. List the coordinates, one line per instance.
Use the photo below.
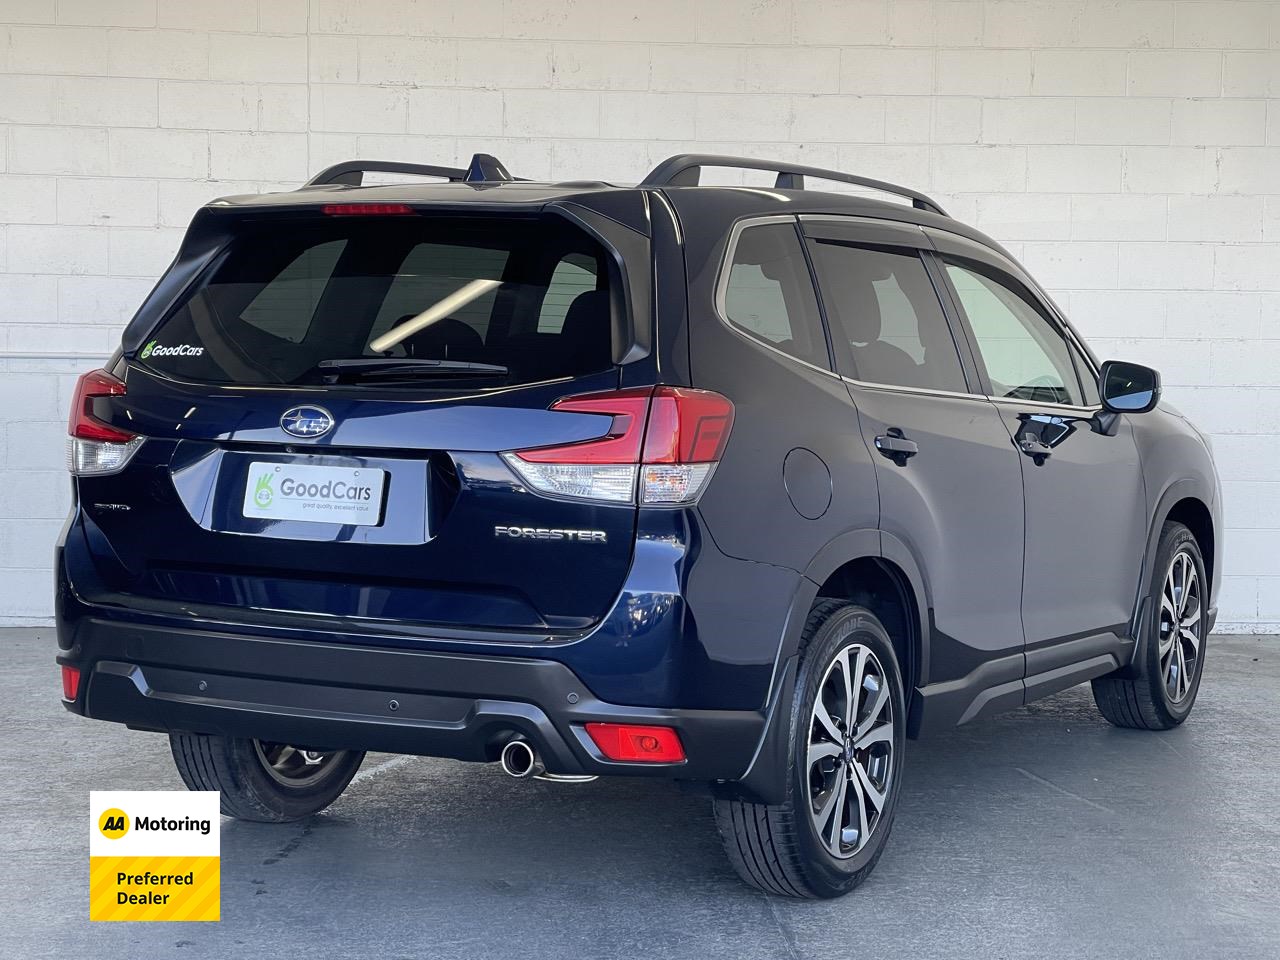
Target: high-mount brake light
(366, 209)
(665, 439)
(94, 446)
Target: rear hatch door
(326, 410)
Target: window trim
(722, 287)
(880, 233)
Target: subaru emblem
(306, 421)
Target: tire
(779, 848)
(251, 786)
(1158, 690)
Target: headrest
(446, 339)
(851, 298)
(587, 328)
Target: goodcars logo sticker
(153, 349)
(262, 493)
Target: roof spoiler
(685, 169)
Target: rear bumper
(333, 695)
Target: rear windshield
(325, 299)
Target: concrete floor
(1042, 833)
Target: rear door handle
(896, 447)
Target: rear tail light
(70, 682)
(94, 446)
(665, 439)
(633, 743)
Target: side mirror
(1128, 387)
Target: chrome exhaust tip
(520, 760)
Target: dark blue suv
(738, 486)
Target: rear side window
(883, 304)
(768, 293)
(292, 300)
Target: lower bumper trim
(336, 696)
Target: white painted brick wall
(1128, 150)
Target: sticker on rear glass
(154, 349)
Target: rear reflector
(70, 682)
(95, 446)
(366, 209)
(669, 438)
(631, 743)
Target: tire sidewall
(847, 625)
(1177, 538)
(287, 802)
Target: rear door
(1085, 501)
(949, 481)
(326, 412)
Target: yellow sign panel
(154, 888)
(153, 855)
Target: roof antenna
(486, 169)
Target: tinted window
(532, 296)
(769, 293)
(575, 274)
(286, 305)
(1025, 355)
(884, 305)
(429, 273)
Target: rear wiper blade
(406, 366)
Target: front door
(1085, 506)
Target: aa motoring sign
(153, 855)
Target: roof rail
(482, 169)
(684, 170)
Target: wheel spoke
(1191, 640)
(1190, 613)
(853, 686)
(828, 724)
(1168, 612)
(880, 698)
(859, 800)
(820, 751)
(834, 828)
(872, 792)
(823, 813)
(880, 734)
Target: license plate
(286, 491)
